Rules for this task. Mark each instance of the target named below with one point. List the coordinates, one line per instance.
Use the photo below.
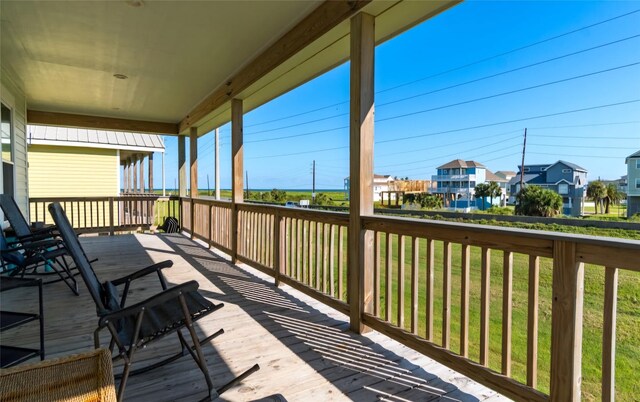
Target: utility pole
(313, 188)
(524, 147)
(217, 156)
(247, 180)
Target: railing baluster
(507, 305)
(485, 299)
(532, 322)
(415, 261)
(376, 274)
(292, 242)
(318, 259)
(325, 256)
(310, 273)
(446, 294)
(401, 251)
(388, 277)
(305, 252)
(332, 255)
(429, 286)
(340, 261)
(609, 335)
(464, 299)
(299, 249)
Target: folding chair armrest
(160, 298)
(37, 236)
(143, 272)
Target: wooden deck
(304, 348)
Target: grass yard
(628, 336)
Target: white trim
(94, 145)
(118, 170)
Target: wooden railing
(108, 214)
(501, 306)
(505, 307)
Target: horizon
(462, 85)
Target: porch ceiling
(175, 54)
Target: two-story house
(633, 184)
(380, 183)
(565, 178)
(456, 181)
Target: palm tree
(597, 191)
(482, 190)
(613, 196)
(494, 190)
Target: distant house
(633, 184)
(380, 183)
(565, 178)
(506, 175)
(621, 184)
(456, 181)
(88, 163)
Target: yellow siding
(56, 171)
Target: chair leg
(200, 361)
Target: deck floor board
(304, 348)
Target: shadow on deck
(304, 348)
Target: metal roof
(78, 137)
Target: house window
(566, 170)
(563, 188)
(526, 169)
(445, 171)
(6, 134)
(637, 163)
(637, 183)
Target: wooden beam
(182, 167)
(237, 168)
(361, 169)
(193, 161)
(98, 122)
(324, 18)
(134, 164)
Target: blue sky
(445, 89)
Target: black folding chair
(19, 259)
(135, 326)
(20, 225)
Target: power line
(461, 84)
(453, 104)
(582, 137)
(460, 129)
(459, 67)
(517, 120)
(449, 144)
(511, 51)
(446, 156)
(586, 125)
(580, 156)
(578, 146)
(509, 92)
(507, 71)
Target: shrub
(536, 201)
(500, 210)
(425, 200)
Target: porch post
(126, 175)
(566, 323)
(134, 163)
(236, 169)
(217, 156)
(150, 174)
(193, 161)
(141, 160)
(361, 169)
(182, 167)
